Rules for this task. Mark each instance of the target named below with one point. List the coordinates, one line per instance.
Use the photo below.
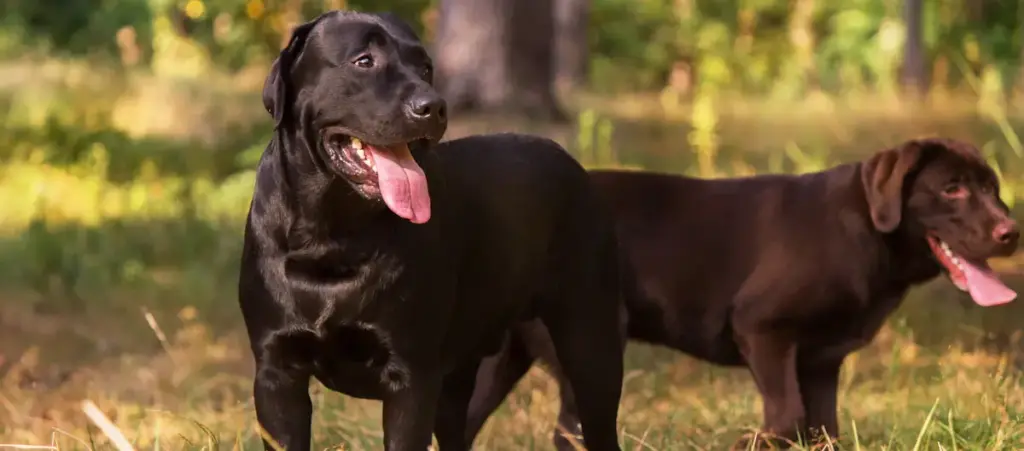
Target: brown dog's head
(942, 191)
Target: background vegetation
(130, 130)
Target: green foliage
(746, 45)
(76, 27)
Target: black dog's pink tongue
(985, 288)
(402, 182)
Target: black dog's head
(942, 191)
(359, 88)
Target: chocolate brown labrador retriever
(788, 274)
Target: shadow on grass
(80, 293)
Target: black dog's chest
(335, 283)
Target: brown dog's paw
(819, 441)
(757, 441)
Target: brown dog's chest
(846, 328)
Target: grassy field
(120, 226)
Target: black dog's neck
(317, 194)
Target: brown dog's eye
(954, 191)
(364, 61)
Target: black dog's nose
(426, 106)
(1006, 232)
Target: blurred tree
(572, 18)
(914, 78)
(497, 56)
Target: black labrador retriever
(787, 275)
(387, 265)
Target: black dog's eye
(427, 71)
(954, 190)
(364, 61)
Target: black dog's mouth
(347, 156)
(972, 276)
(387, 172)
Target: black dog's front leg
(409, 412)
(283, 407)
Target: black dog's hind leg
(586, 330)
(283, 407)
(495, 379)
(591, 360)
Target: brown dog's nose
(1006, 232)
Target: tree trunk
(914, 74)
(572, 44)
(496, 56)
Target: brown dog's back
(694, 244)
(788, 274)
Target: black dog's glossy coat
(335, 286)
(785, 275)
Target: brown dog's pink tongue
(985, 287)
(403, 185)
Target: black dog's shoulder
(513, 146)
(510, 157)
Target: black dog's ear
(275, 88)
(882, 176)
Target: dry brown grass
(191, 391)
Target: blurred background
(130, 129)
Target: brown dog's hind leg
(496, 378)
(568, 417)
(452, 408)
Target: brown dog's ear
(882, 176)
(275, 88)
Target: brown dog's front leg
(410, 411)
(452, 407)
(819, 382)
(772, 361)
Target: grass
(120, 234)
